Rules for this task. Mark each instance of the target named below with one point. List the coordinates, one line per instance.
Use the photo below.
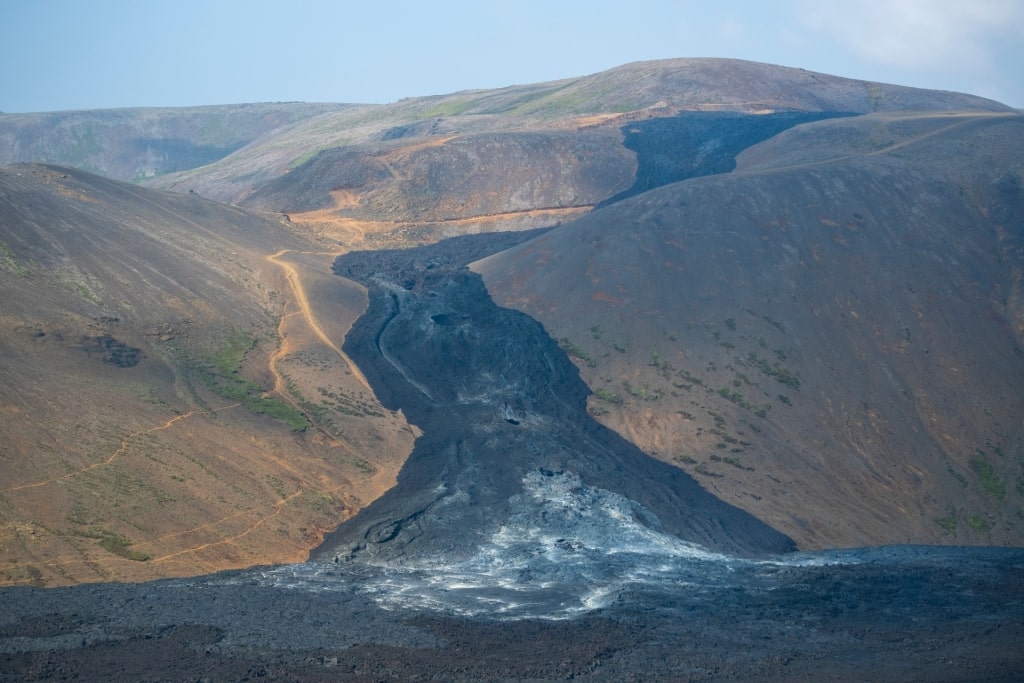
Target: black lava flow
(497, 400)
(525, 541)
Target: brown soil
(138, 470)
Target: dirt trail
(958, 120)
(121, 449)
(964, 120)
(354, 231)
(305, 310)
(278, 506)
(321, 308)
(308, 314)
(301, 300)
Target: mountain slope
(173, 402)
(513, 158)
(134, 144)
(829, 337)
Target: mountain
(763, 276)
(172, 399)
(136, 144)
(514, 158)
(762, 312)
(830, 337)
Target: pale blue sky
(86, 54)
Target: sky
(95, 54)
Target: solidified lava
(435, 345)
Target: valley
(496, 400)
(690, 369)
(512, 546)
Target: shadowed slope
(829, 337)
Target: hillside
(514, 158)
(831, 337)
(173, 401)
(136, 144)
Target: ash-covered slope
(498, 403)
(829, 337)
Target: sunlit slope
(172, 403)
(830, 337)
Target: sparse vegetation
(9, 260)
(948, 524)
(990, 481)
(703, 469)
(733, 396)
(220, 374)
(768, 319)
(979, 523)
(777, 371)
(121, 546)
(228, 358)
(731, 461)
(688, 377)
(577, 352)
(736, 397)
(608, 396)
(342, 402)
(452, 107)
(644, 392)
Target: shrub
(121, 546)
(990, 481)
